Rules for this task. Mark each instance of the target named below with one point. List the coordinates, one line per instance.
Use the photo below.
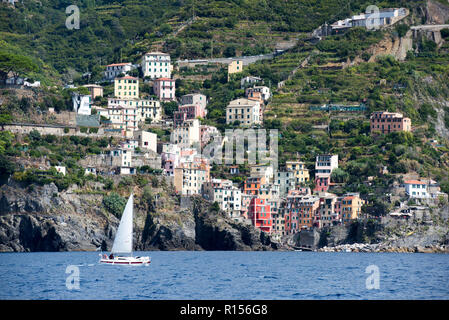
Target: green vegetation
(115, 204)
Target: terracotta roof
(128, 77)
(118, 64)
(414, 182)
(164, 79)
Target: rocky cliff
(39, 218)
(427, 234)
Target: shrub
(114, 204)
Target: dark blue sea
(227, 275)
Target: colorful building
(235, 66)
(349, 207)
(386, 122)
(165, 89)
(253, 184)
(259, 214)
(300, 212)
(301, 172)
(126, 87)
(324, 166)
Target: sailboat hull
(125, 260)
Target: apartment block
(300, 171)
(387, 122)
(165, 89)
(156, 65)
(189, 178)
(324, 166)
(126, 87)
(259, 214)
(245, 111)
(349, 207)
(115, 69)
(300, 212)
(187, 134)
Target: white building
(125, 114)
(246, 111)
(115, 69)
(146, 140)
(249, 81)
(286, 181)
(189, 178)
(262, 171)
(194, 99)
(156, 65)
(384, 17)
(61, 169)
(416, 189)
(82, 104)
(187, 134)
(225, 194)
(325, 164)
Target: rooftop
(118, 64)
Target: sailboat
(122, 248)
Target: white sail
(123, 242)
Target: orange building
(349, 207)
(300, 212)
(253, 185)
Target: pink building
(188, 111)
(164, 89)
(386, 122)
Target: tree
(114, 203)
(339, 176)
(17, 64)
(169, 108)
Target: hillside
(398, 69)
(122, 31)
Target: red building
(259, 214)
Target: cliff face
(43, 219)
(430, 234)
(201, 227)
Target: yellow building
(301, 172)
(235, 66)
(126, 87)
(349, 207)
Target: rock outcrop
(201, 227)
(39, 218)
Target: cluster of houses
(278, 202)
(373, 18)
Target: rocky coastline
(363, 247)
(40, 218)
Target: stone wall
(57, 130)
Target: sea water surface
(226, 275)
